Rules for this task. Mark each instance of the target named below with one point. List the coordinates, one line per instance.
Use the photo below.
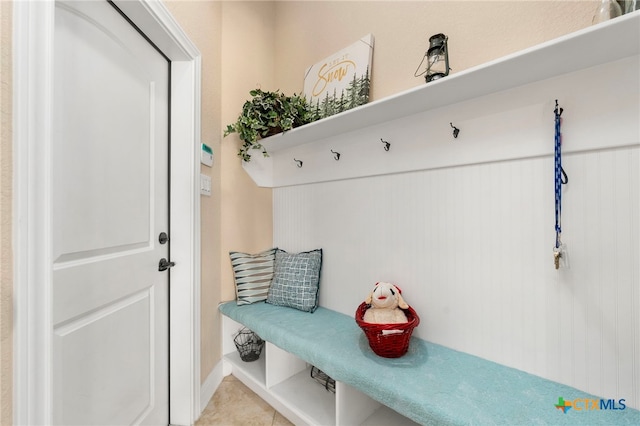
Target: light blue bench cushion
(431, 384)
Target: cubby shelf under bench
(431, 384)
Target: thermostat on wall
(206, 155)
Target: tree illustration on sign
(355, 94)
(340, 82)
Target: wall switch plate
(206, 155)
(205, 185)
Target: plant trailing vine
(266, 114)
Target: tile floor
(234, 404)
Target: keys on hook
(561, 256)
(556, 257)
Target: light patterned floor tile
(234, 404)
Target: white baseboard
(227, 368)
(210, 385)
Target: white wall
(471, 243)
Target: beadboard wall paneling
(471, 248)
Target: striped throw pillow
(253, 274)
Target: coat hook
(387, 145)
(558, 110)
(336, 155)
(298, 161)
(455, 130)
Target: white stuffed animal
(385, 301)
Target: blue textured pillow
(296, 279)
(253, 274)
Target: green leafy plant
(266, 114)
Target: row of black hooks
(386, 146)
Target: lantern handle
(415, 73)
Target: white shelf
(595, 45)
(598, 45)
(315, 404)
(253, 371)
(385, 416)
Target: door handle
(165, 264)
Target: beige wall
(478, 32)
(238, 214)
(269, 44)
(202, 23)
(248, 61)
(6, 256)
(221, 30)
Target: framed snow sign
(341, 81)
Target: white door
(110, 203)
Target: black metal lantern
(437, 58)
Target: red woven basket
(388, 340)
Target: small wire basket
(321, 377)
(249, 345)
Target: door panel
(110, 202)
(88, 286)
(94, 354)
(108, 139)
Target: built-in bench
(431, 384)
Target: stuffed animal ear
(401, 303)
(369, 298)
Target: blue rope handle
(560, 176)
